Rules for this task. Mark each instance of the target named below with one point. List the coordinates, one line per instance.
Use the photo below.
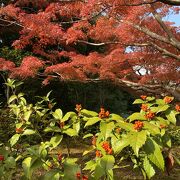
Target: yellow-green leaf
(92, 121)
(154, 153)
(68, 116)
(138, 101)
(126, 126)
(57, 114)
(70, 132)
(148, 168)
(137, 140)
(14, 139)
(12, 98)
(29, 132)
(171, 116)
(136, 116)
(116, 117)
(55, 140)
(106, 129)
(119, 144)
(153, 129)
(88, 113)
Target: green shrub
(143, 137)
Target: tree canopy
(126, 42)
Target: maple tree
(126, 42)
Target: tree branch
(137, 4)
(133, 87)
(94, 16)
(10, 22)
(164, 51)
(170, 2)
(164, 27)
(155, 89)
(152, 34)
(113, 42)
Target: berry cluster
(61, 125)
(78, 107)
(59, 157)
(106, 147)
(1, 157)
(143, 97)
(177, 107)
(79, 176)
(85, 177)
(50, 106)
(19, 130)
(168, 99)
(98, 153)
(103, 113)
(138, 125)
(149, 115)
(144, 107)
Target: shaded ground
(127, 173)
(77, 148)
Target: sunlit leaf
(92, 121)
(57, 114)
(154, 153)
(55, 140)
(137, 140)
(148, 168)
(14, 139)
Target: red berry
(177, 107)
(149, 115)
(78, 107)
(107, 114)
(144, 107)
(107, 147)
(78, 175)
(61, 124)
(168, 99)
(85, 177)
(143, 97)
(110, 151)
(19, 130)
(1, 157)
(103, 113)
(59, 157)
(98, 154)
(138, 125)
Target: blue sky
(174, 18)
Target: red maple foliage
(28, 67)
(127, 42)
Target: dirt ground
(127, 173)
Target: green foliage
(15, 55)
(14, 139)
(137, 140)
(143, 135)
(7, 126)
(174, 134)
(148, 168)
